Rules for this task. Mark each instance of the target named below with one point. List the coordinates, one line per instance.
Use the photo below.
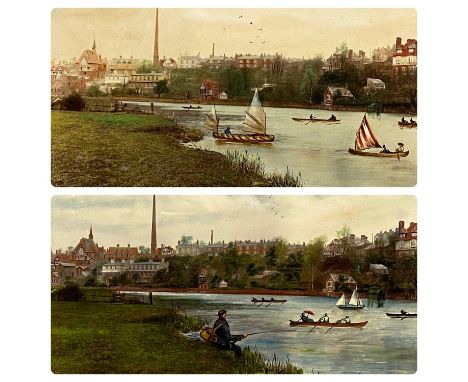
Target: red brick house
(209, 90)
(405, 57)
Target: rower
(227, 130)
(411, 120)
(403, 312)
(332, 118)
(311, 116)
(385, 150)
(400, 148)
(305, 318)
(403, 120)
(324, 318)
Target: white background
(26, 189)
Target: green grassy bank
(129, 150)
(104, 337)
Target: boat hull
(408, 125)
(399, 315)
(383, 155)
(191, 108)
(256, 301)
(348, 307)
(315, 120)
(330, 324)
(244, 138)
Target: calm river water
(318, 151)
(384, 345)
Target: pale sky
(127, 219)
(293, 32)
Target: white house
(222, 284)
(223, 95)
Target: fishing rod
(269, 331)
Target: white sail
(365, 138)
(354, 301)
(255, 118)
(212, 120)
(341, 301)
(360, 303)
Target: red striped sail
(365, 138)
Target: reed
(253, 361)
(252, 164)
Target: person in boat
(226, 340)
(403, 120)
(385, 150)
(324, 318)
(305, 318)
(400, 148)
(403, 312)
(411, 120)
(346, 320)
(227, 130)
(332, 118)
(311, 116)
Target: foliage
(161, 87)
(146, 66)
(312, 260)
(144, 250)
(70, 292)
(93, 91)
(73, 102)
(186, 240)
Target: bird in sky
(240, 16)
(260, 29)
(263, 42)
(251, 22)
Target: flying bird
(240, 16)
(251, 22)
(260, 29)
(263, 42)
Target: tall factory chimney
(156, 41)
(154, 245)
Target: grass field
(91, 149)
(104, 337)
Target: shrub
(74, 102)
(69, 293)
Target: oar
(259, 304)
(313, 327)
(331, 327)
(266, 306)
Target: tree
(312, 260)
(343, 235)
(311, 76)
(186, 240)
(161, 87)
(93, 91)
(143, 250)
(146, 66)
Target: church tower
(90, 237)
(156, 41)
(154, 245)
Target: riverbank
(293, 105)
(258, 293)
(114, 338)
(91, 149)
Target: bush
(70, 293)
(74, 102)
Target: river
(318, 151)
(384, 346)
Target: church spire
(94, 43)
(154, 245)
(91, 232)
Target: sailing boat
(212, 120)
(255, 123)
(354, 302)
(365, 139)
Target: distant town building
(222, 284)
(145, 271)
(337, 281)
(378, 269)
(143, 83)
(209, 90)
(374, 84)
(405, 57)
(406, 243)
(262, 61)
(203, 279)
(223, 95)
(123, 66)
(189, 62)
(334, 93)
(383, 54)
(113, 81)
(90, 65)
(125, 255)
(168, 64)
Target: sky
(296, 32)
(126, 220)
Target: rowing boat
(399, 315)
(191, 107)
(391, 154)
(329, 324)
(256, 300)
(408, 125)
(316, 120)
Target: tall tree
(161, 87)
(343, 235)
(312, 260)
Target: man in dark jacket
(225, 339)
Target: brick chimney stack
(398, 42)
